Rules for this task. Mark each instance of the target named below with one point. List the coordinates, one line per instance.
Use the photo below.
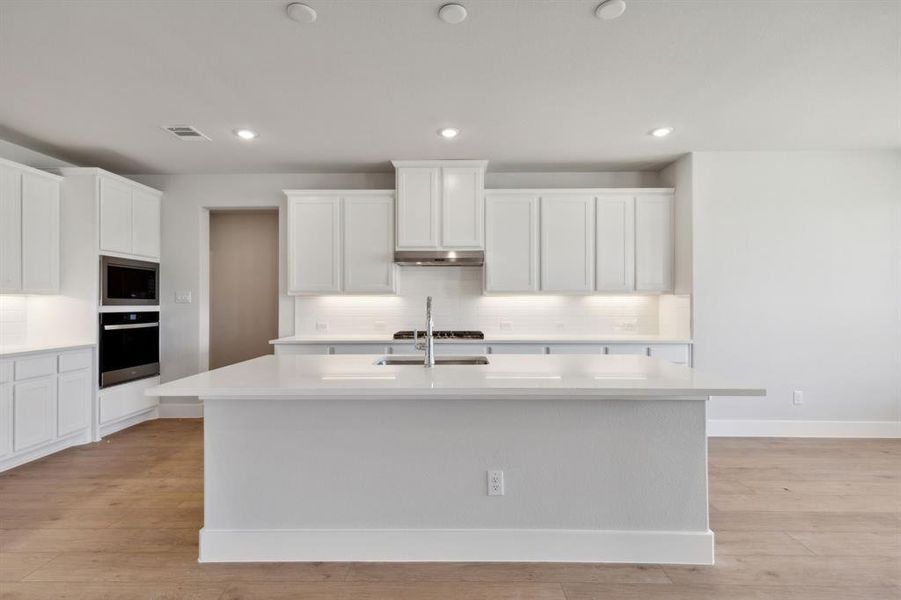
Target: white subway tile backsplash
(458, 303)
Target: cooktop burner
(443, 335)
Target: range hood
(439, 258)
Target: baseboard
(74, 439)
(789, 428)
(128, 421)
(185, 410)
(456, 545)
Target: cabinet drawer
(72, 361)
(37, 366)
(518, 349)
(627, 349)
(6, 371)
(358, 349)
(677, 353)
(575, 349)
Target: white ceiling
(533, 85)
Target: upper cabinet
(29, 230)
(654, 243)
(511, 243)
(129, 218)
(440, 204)
(579, 241)
(341, 242)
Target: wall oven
(129, 346)
(124, 281)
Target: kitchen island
(339, 458)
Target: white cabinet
(74, 392)
(418, 203)
(615, 234)
(654, 243)
(341, 242)
(511, 243)
(369, 244)
(314, 244)
(10, 229)
(462, 207)
(129, 218)
(33, 412)
(567, 242)
(29, 226)
(115, 216)
(145, 224)
(6, 419)
(440, 204)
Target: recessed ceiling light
(246, 134)
(611, 9)
(452, 13)
(301, 13)
(661, 132)
(449, 133)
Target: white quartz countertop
(357, 376)
(8, 350)
(489, 339)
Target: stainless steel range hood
(439, 258)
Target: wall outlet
(321, 325)
(182, 297)
(506, 325)
(797, 397)
(560, 325)
(495, 483)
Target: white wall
(679, 175)
(797, 282)
(32, 158)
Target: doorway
(243, 284)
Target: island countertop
(514, 376)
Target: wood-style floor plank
(794, 519)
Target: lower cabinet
(46, 402)
(119, 402)
(678, 353)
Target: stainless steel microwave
(124, 281)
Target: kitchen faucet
(429, 343)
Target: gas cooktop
(443, 335)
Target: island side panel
(570, 466)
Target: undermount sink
(439, 360)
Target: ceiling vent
(186, 133)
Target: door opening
(243, 284)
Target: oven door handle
(129, 326)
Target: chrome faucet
(429, 343)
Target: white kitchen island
(337, 458)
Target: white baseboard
(824, 429)
(181, 410)
(129, 421)
(456, 545)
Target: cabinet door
(511, 243)
(567, 243)
(40, 234)
(6, 419)
(33, 404)
(615, 233)
(417, 207)
(145, 208)
(675, 353)
(10, 229)
(653, 243)
(369, 244)
(73, 401)
(462, 200)
(314, 244)
(115, 216)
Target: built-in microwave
(124, 281)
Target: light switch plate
(321, 325)
(183, 297)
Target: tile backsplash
(13, 320)
(458, 303)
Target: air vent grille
(186, 133)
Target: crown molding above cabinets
(440, 204)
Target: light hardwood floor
(795, 519)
